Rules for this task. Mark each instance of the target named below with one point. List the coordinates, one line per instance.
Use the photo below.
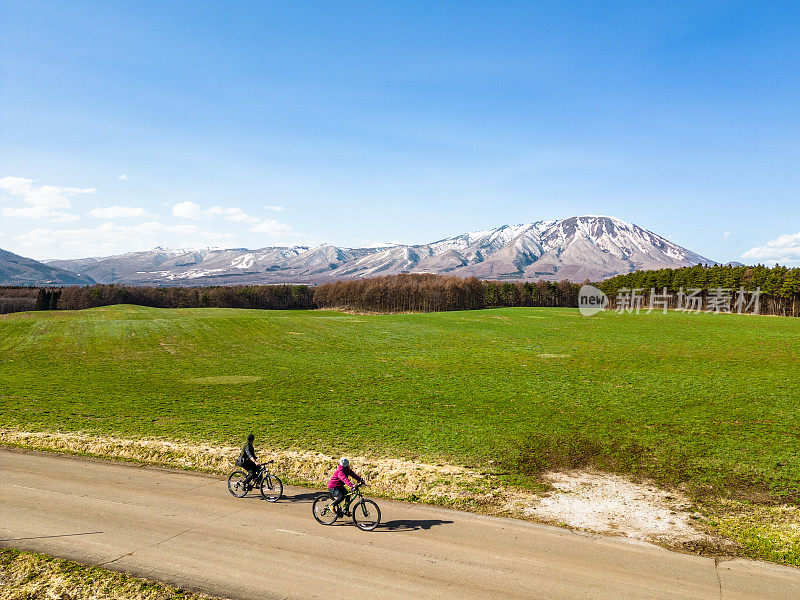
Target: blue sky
(125, 125)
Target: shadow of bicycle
(306, 497)
(255, 495)
(410, 524)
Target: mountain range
(18, 270)
(576, 248)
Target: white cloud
(273, 228)
(38, 212)
(25, 198)
(190, 210)
(187, 210)
(275, 208)
(123, 177)
(237, 215)
(118, 212)
(726, 234)
(42, 202)
(784, 249)
(15, 185)
(51, 196)
(110, 238)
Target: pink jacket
(340, 477)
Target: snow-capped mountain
(162, 266)
(576, 248)
(18, 270)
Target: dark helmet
(250, 438)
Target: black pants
(249, 466)
(338, 494)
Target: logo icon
(591, 300)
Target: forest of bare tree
(396, 293)
(428, 292)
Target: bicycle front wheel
(367, 515)
(271, 488)
(236, 484)
(324, 511)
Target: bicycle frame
(262, 473)
(352, 496)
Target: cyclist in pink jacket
(336, 485)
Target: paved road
(186, 529)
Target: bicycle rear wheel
(236, 485)
(324, 511)
(367, 515)
(271, 488)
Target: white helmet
(344, 462)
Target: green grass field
(709, 400)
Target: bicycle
(365, 513)
(270, 485)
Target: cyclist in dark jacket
(248, 460)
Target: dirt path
(187, 530)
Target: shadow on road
(410, 524)
(42, 537)
(308, 497)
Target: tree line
(276, 297)
(394, 293)
(779, 286)
(17, 299)
(425, 292)
(410, 292)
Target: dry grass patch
(28, 576)
(582, 500)
(392, 478)
(765, 532)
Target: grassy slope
(711, 399)
(29, 575)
